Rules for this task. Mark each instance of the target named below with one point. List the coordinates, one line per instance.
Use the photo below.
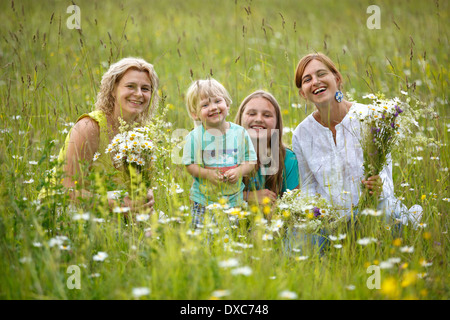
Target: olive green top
(102, 167)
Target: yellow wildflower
(397, 242)
(409, 278)
(390, 288)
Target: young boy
(217, 153)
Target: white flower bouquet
(308, 213)
(385, 124)
(134, 150)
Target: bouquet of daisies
(134, 150)
(308, 213)
(384, 125)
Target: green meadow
(50, 74)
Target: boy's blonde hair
(201, 89)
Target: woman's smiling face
(132, 94)
(319, 84)
(259, 118)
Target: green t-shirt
(221, 152)
(290, 175)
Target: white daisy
(100, 256)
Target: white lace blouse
(334, 170)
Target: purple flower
(316, 212)
(393, 125)
(397, 108)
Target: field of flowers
(50, 74)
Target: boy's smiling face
(213, 112)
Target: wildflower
(100, 256)
(233, 211)
(213, 206)
(422, 225)
(266, 200)
(191, 232)
(94, 275)
(370, 96)
(266, 237)
(342, 236)
(96, 155)
(424, 263)
(57, 241)
(316, 211)
(338, 246)
(142, 217)
(28, 181)
(394, 260)
(366, 241)
(245, 271)
(301, 258)
(286, 213)
(427, 235)
(220, 293)
(386, 265)
(372, 212)
(25, 260)
(229, 263)
(83, 216)
(64, 247)
(139, 292)
(350, 287)
(37, 244)
(390, 288)
(407, 249)
(121, 209)
(397, 242)
(286, 294)
(33, 162)
(409, 278)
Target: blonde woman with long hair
(128, 90)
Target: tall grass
(50, 75)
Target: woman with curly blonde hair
(128, 90)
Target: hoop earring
(339, 96)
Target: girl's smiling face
(259, 118)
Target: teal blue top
(290, 175)
(221, 152)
